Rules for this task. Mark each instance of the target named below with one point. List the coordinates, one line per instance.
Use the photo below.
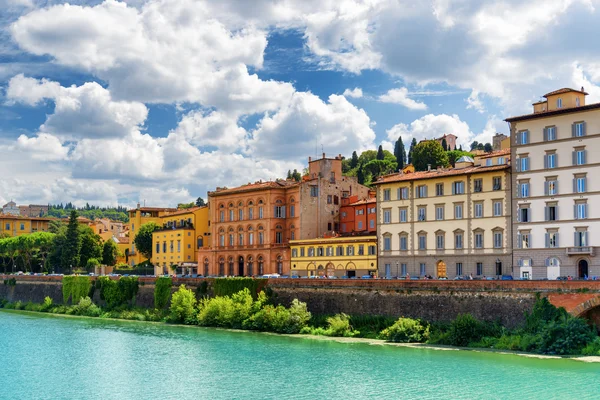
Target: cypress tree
(360, 175)
(380, 155)
(410, 151)
(354, 160)
(70, 254)
(444, 144)
(400, 153)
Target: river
(50, 357)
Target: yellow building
(13, 225)
(348, 256)
(181, 235)
(447, 222)
(138, 217)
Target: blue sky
(163, 100)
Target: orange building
(358, 216)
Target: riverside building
(446, 222)
(556, 153)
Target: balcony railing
(580, 250)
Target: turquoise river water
(49, 357)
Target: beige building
(446, 222)
(556, 201)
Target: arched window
(240, 236)
(280, 265)
(206, 267)
(230, 266)
(250, 210)
(231, 213)
(261, 265)
(261, 235)
(278, 234)
(250, 236)
(292, 232)
(221, 266)
(250, 266)
(221, 237)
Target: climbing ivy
(75, 287)
(118, 293)
(162, 292)
(228, 286)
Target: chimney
(138, 206)
(428, 167)
(309, 159)
(582, 89)
(323, 155)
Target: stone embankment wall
(505, 301)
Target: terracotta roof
(281, 184)
(122, 240)
(564, 90)
(364, 201)
(539, 102)
(496, 153)
(559, 111)
(184, 211)
(438, 174)
(21, 217)
(153, 209)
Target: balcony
(173, 227)
(580, 250)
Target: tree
(289, 174)
(296, 175)
(110, 252)
(460, 148)
(91, 245)
(400, 153)
(70, 252)
(54, 226)
(360, 176)
(185, 206)
(354, 160)
(454, 155)
(380, 154)
(431, 153)
(410, 150)
(488, 148)
(91, 264)
(474, 145)
(43, 242)
(200, 202)
(444, 144)
(143, 239)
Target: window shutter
(585, 184)
(585, 235)
(573, 130)
(584, 160)
(583, 128)
(574, 185)
(526, 136)
(555, 161)
(575, 211)
(546, 188)
(574, 158)
(557, 240)
(556, 187)
(546, 214)
(585, 213)
(283, 214)
(547, 240)
(398, 194)
(545, 161)
(520, 262)
(425, 191)
(545, 134)
(519, 241)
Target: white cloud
(400, 96)
(44, 147)
(214, 128)
(355, 93)
(474, 102)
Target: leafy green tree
(444, 144)
(43, 242)
(25, 248)
(366, 156)
(55, 225)
(488, 148)
(413, 144)
(296, 175)
(70, 251)
(400, 153)
(91, 245)
(200, 202)
(143, 239)
(474, 145)
(360, 176)
(289, 174)
(379, 167)
(354, 160)
(429, 152)
(110, 252)
(91, 264)
(380, 155)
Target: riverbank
(344, 340)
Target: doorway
(498, 268)
(583, 268)
(241, 266)
(441, 269)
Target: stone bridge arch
(584, 305)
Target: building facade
(343, 256)
(13, 225)
(138, 217)
(556, 197)
(446, 222)
(358, 215)
(176, 243)
(33, 210)
(10, 208)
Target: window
(387, 243)
(179, 246)
(231, 214)
(523, 164)
(22, 226)
(498, 242)
(439, 189)
(260, 212)
(559, 103)
(314, 191)
(458, 187)
(171, 246)
(458, 240)
(497, 183)
(551, 186)
(479, 240)
(578, 129)
(251, 238)
(580, 210)
(279, 237)
(489, 162)
(7, 227)
(403, 213)
(403, 268)
(523, 137)
(261, 237)
(523, 189)
(311, 251)
(371, 224)
(576, 101)
(439, 213)
(439, 241)
(240, 239)
(157, 248)
(231, 239)
(294, 253)
(459, 269)
(524, 240)
(478, 210)
(360, 225)
(403, 242)
(458, 211)
(302, 252)
(241, 214)
(372, 210)
(422, 241)
(350, 250)
(222, 240)
(422, 213)
(497, 208)
(478, 185)
(552, 239)
(501, 161)
(387, 195)
(479, 268)
(402, 193)
(222, 216)
(523, 214)
(251, 213)
(579, 157)
(320, 252)
(279, 211)
(387, 216)
(550, 160)
(361, 249)
(329, 199)
(372, 250)
(339, 251)
(579, 184)
(551, 212)
(421, 191)
(581, 237)
(550, 133)
(422, 269)
(360, 212)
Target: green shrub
(162, 292)
(406, 330)
(3, 303)
(47, 304)
(183, 306)
(280, 319)
(18, 305)
(118, 293)
(91, 264)
(339, 325)
(466, 329)
(542, 313)
(10, 282)
(229, 286)
(86, 308)
(592, 348)
(226, 311)
(75, 287)
(568, 336)
(202, 289)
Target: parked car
(507, 277)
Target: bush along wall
(118, 293)
(162, 292)
(75, 287)
(229, 286)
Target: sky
(159, 101)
